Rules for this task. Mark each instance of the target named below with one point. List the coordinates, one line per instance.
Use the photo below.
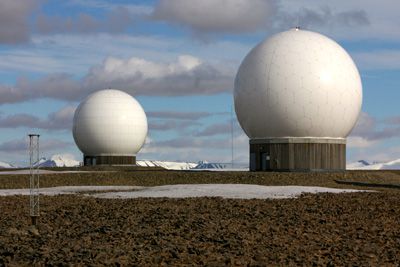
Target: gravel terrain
(150, 177)
(323, 230)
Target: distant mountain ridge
(365, 165)
(357, 165)
(209, 165)
(66, 160)
(169, 165)
(58, 160)
(5, 165)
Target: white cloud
(18, 20)
(117, 20)
(370, 129)
(74, 54)
(186, 76)
(26, 61)
(382, 17)
(321, 18)
(115, 68)
(14, 20)
(365, 125)
(359, 142)
(58, 120)
(20, 146)
(109, 5)
(209, 16)
(386, 155)
(344, 20)
(374, 153)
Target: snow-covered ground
(241, 191)
(238, 191)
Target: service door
(265, 161)
(253, 164)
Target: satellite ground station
(297, 96)
(109, 127)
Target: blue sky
(179, 59)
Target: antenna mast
(232, 136)
(34, 176)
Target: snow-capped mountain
(201, 165)
(5, 165)
(357, 165)
(169, 165)
(209, 165)
(64, 160)
(365, 165)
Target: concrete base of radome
(298, 154)
(108, 160)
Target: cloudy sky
(179, 59)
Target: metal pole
(232, 135)
(34, 176)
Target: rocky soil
(150, 177)
(323, 230)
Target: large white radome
(297, 84)
(110, 123)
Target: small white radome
(110, 123)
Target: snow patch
(238, 191)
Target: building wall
(297, 156)
(109, 160)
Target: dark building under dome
(108, 160)
(297, 154)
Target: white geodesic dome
(297, 84)
(110, 123)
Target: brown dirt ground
(325, 229)
(150, 177)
